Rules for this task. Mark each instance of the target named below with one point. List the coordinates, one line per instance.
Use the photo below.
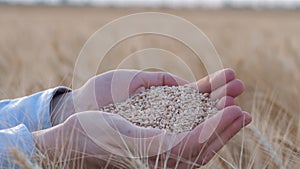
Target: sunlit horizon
(167, 3)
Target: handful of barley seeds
(175, 108)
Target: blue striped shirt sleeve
(18, 118)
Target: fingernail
(140, 90)
(248, 118)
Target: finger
(141, 80)
(233, 89)
(195, 141)
(215, 80)
(225, 136)
(148, 141)
(144, 80)
(216, 124)
(204, 132)
(161, 79)
(225, 101)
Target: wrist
(84, 99)
(46, 143)
(36, 137)
(61, 107)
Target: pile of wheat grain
(175, 108)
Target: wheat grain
(175, 108)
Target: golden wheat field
(39, 47)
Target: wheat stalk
(22, 160)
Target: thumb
(162, 79)
(139, 90)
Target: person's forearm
(45, 142)
(50, 143)
(66, 143)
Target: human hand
(203, 142)
(199, 146)
(97, 139)
(118, 85)
(109, 87)
(92, 139)
(221, 85)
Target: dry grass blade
(22, 160)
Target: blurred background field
(39, 46)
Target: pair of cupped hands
(83, 137)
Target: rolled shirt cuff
(33, 111)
